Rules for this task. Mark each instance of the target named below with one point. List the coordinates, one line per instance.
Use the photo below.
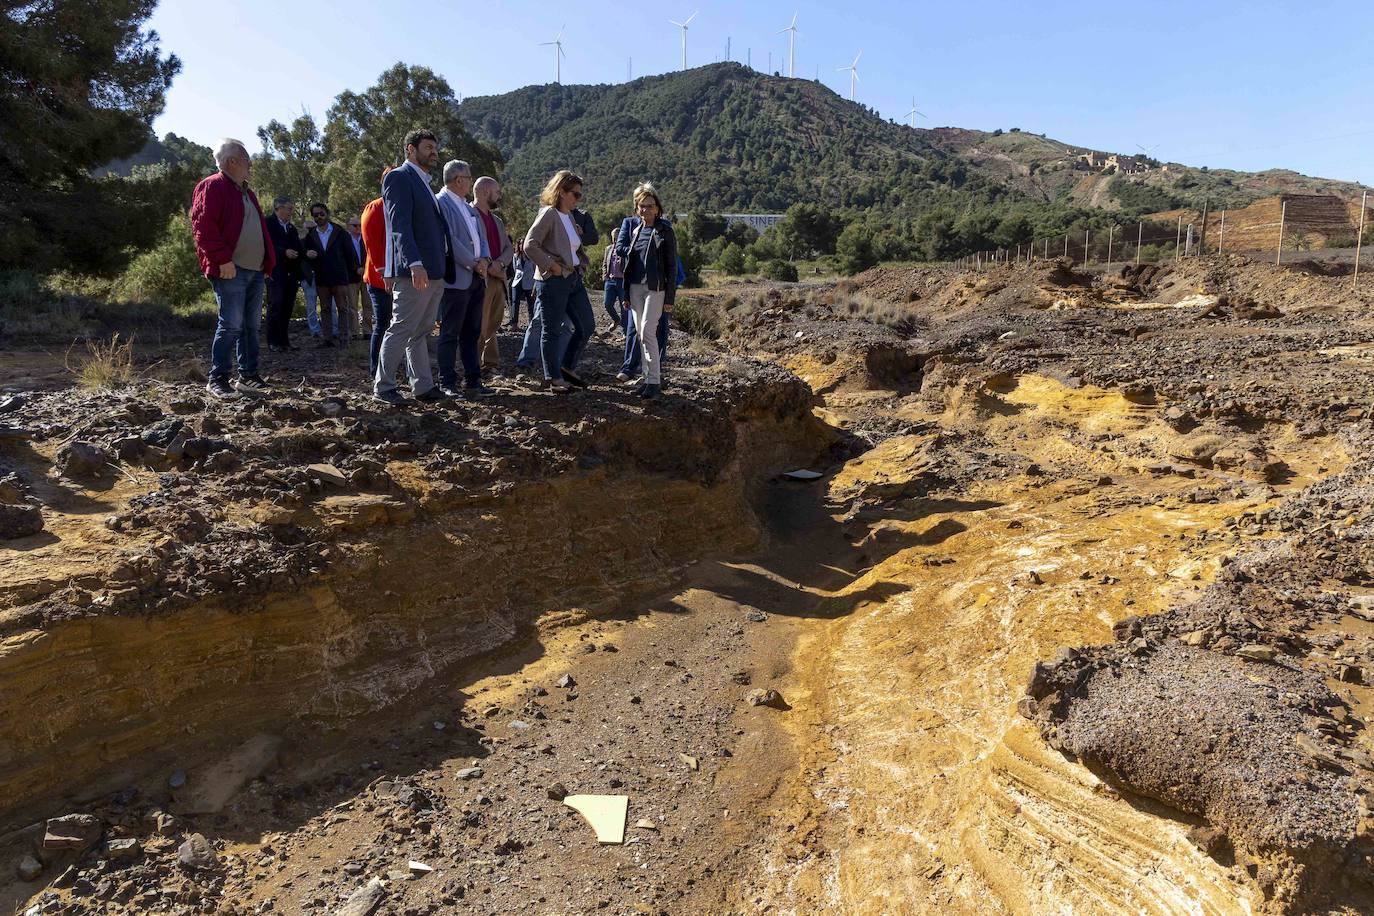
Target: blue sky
(1230, 84)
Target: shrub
(855, 250)
(732, 259)
(107, 364)
(593, 277)
(169, 273)
(778, 269)
(699, 317)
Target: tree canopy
(80, 84)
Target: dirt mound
(1239, 743)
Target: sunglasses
(577, 195)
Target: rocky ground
(992, 447)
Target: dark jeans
(615, 292)
(381, 320)
(513, 313)
(632, 357)
(240, 315)
(281, 302)
(560, 298)
(460, 330)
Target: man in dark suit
(335, 263)
(418, 262)
(286, 276)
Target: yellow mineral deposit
(926, 791)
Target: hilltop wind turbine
(854, 74)
(791, 31)
(683, 26)
(913, 112)
(558, 55)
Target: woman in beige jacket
(552, 244)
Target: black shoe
(573, 378)
(473, 392)
(277, 349)
(324, 344)
(432, 396)
(392, 397)
(220, 388)
(451, 391)
(252, 385)
(651, 392)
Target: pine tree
(80, 84)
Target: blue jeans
(381, 320)
(312, 317)
(240, 314)
(529, 350)
(614, 292)
(460, 329)
(517, 293)
(631, 366)
(561, 298)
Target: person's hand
(310, 255)
(361, 271)
(667, 308)
(227, 271)
(419, 277)
(292, 253)
(556, 269)
(389, 284)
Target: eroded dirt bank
(1059, 461)
(1074, 620)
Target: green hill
(726, 137)
(723, 137)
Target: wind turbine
(791, 31)
(683, 26)
(558, 55)
(854, 74)
(913, 112)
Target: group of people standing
(426, 259)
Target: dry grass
(107, 364)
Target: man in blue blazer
(418, 262)
(460, 311)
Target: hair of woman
(646, 189)
(562, 180)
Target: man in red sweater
(374, 246)
(235, 256)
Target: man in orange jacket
(374, 246)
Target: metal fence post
(1283, 218)
(1139, 234)
(1221, 237)
(1110, 231)
(1359, 240)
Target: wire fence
(1149, 242)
